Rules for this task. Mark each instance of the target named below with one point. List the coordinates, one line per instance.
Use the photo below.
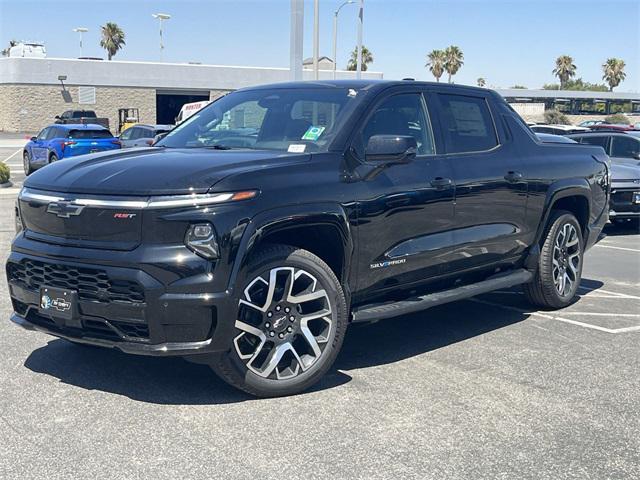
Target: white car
(558, 129)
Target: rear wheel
(290, 324)
(26, 164)
(53, 158)
(560, 266)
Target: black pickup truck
(82, 116)
(254, 233)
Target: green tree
(435, 63)
(554, 117)
(519, 87)
(112, 38)
(454, 59)
(481, 82)
(617, 118)
(12, 43)
(565, 69)
(578, 84)
(367, 58)
(613, 70)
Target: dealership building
(34, 90)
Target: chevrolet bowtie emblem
(64, 209)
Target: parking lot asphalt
(11, 154)
(485, 389)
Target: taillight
(66, 144)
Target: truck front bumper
(122, 307)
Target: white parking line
(560, 319)
(593, 314)
(12, 155)
(618, 248)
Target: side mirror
(158, 137)
(33, 139)
(57, 117)
(391, 149)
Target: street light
(360, 21)
(161, 17)
(335, 34)
(81, 30)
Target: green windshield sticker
(313, 133)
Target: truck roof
(363, 84)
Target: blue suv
(61, 141)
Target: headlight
(19, 226)
(201, 239)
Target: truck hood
(153, 171)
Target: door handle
(441, 183)
(513, 177)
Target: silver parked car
(142, 135)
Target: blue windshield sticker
(313, 133)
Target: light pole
(360, 20)
(161, 17)
(81, 30)
(316, 37)
(335, 34)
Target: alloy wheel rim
(566, 259)
(25, 162)
(285, 320)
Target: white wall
(148, 74)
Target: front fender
(283, 218)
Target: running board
(372, 313)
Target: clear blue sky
(506, 42)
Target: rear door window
(467, 124)
(625, 147)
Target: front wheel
(290, 324)
(560, 266)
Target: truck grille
(91, 284)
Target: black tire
(53, 158)
(544, 290)
(285, 261)
(26, 163)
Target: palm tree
(613, 70)
(367, 58)
(112, 38)
(481, 82)
(12, 43)
(453, 60)
(565, 69)
(435, 62)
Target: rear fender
(564, 188)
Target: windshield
(295, 120)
